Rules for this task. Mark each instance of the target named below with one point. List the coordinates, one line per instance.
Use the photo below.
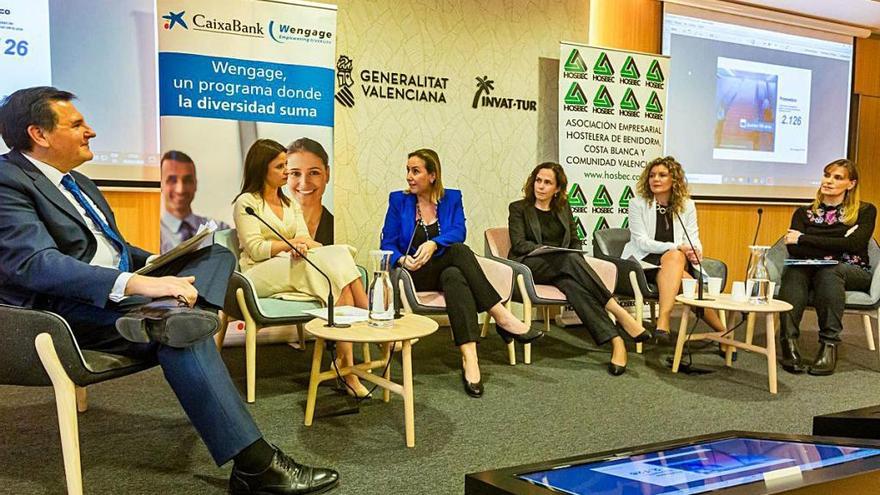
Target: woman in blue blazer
(425, 230)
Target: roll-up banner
(233, 72)
(611, 123)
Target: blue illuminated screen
(697, 468)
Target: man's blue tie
(70, 184)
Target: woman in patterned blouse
(836, 226)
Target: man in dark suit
(60, 250)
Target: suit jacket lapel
(532, 221)
(46, 188)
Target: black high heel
(523, 338)
(645, 336)
(616, 369)
(472, 389)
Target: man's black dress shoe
(523, 338)
(472, 389)
(790, 358)
(168, 322)
(826, 360)
(616, 369)
(284, 476)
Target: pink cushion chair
(527, 291)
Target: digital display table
(729, 463)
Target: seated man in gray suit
(60, 250)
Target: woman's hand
(792, 236)
(424, 252)
(301, 244)
(409, 263)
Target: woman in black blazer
(543, 218)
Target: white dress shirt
(106, 254)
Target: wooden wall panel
(626, 24)
(137, 214)
(726, 231)
(867, 66)
(867, 152)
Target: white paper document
(341, 314)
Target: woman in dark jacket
(425, 232)
(837, 226)
(543, 218)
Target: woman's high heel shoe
(360, 391)
(645, 336)
(472, 389)
(523, 338)
(616, 369)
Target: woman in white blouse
(659, 215)
(274, 268)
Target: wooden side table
(405, 329)
(725, 302)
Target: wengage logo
(173, 19)
(574, 67)
(575, 100)
(602, 200)
(653, 109)
(283, 33)
(655, 75)
(602, 101)
(602, 70)
(486, 85)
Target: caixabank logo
(654, 76)
(629, 105)
(211, 24)
(629, 73)
(576, 199)
(653, 108)
(602, 101)
(575, 100)
(574, 67)
(623, 202)
(603, 71)
(602, 201)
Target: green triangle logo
(603, 98)
(654, 73)
(575, 63)
(603, 66)
(653, 104)
(629, 101)
(602, 199)
(625, 224)
(575, 95)
(576, 196)
(625, 196)
(629, 69)
(601, 224)
(581, 233)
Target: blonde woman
(836, 226)
(659, 215)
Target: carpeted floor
(135, 438)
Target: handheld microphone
(330, 323)
(700, 296)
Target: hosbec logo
(482, 98)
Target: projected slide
(24, 45)
(762, 112)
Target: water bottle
(381, 291)
(758, 281)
